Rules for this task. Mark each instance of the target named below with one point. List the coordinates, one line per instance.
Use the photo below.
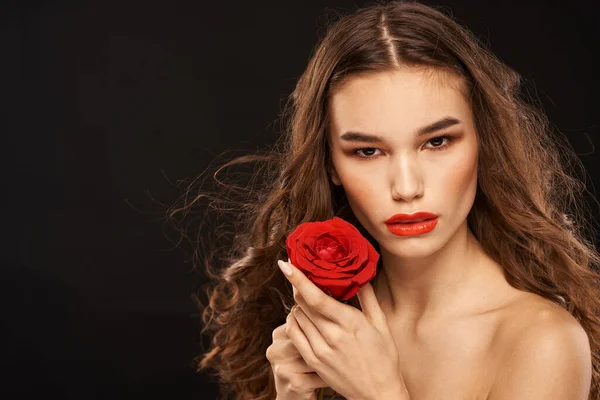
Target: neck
(438, 284)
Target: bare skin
(461, 356)
(462, 331)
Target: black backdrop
(104, 100)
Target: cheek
(360, 186)
(359, 190)
(460, 178)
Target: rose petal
(333, 275)
(334, 255)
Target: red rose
(333, 255)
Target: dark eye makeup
(450, 139)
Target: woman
(400, 110)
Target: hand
(294, 379)
(353, 351)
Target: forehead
(397, 100)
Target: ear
(334, 176)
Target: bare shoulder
(545, 352)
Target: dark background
(106, 101)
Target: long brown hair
(529, 213)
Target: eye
(368, 149)
(357, 152)
(442, 147)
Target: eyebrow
(364, 137)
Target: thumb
(371, 308)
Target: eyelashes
(449, 139)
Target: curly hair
(529, 213)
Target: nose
(406, 179)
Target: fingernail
(284, 268)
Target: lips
(409, 218)
(412, 229)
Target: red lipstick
(412, 224)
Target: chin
(411, 247)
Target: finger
(284, 348)
(316, 339)
(315, 298)
(370, 306)
(308, 381)
(291, 352)
(300, 366)
(322, 324)
(297, 336)
(279, 332)
(313, 381)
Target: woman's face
(405, 170)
